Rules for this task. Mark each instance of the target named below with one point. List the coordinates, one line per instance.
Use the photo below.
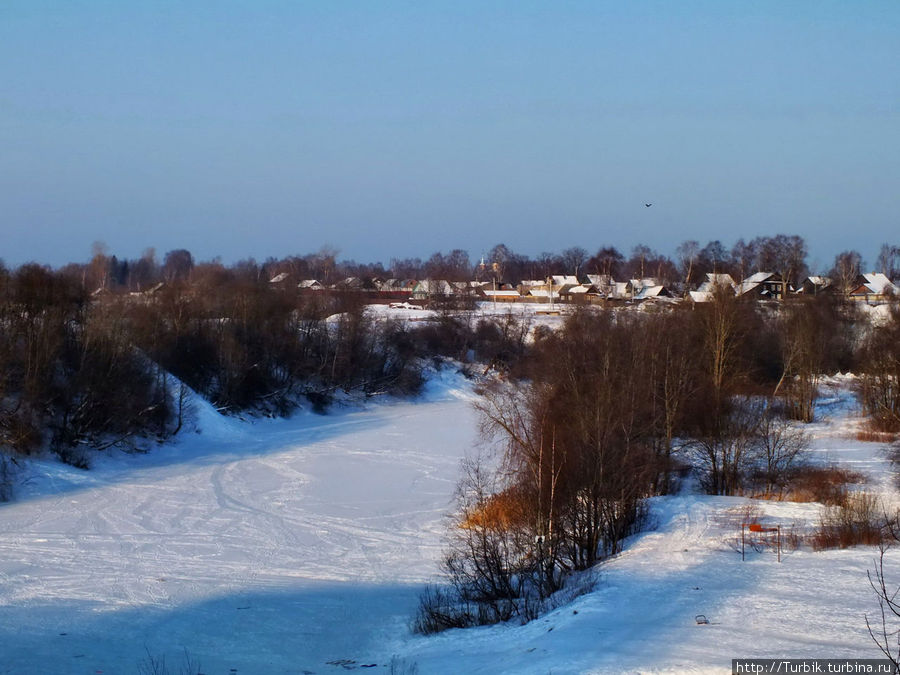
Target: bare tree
(880, 379)
(520, 418)
(720, 321)
(674, 376)
(729, 450)
(714, 257)
(889, 260)
(805, 332)
(177, 264)
(883, 629)
(744, 257)
(846, 270)
(687, 253)
(607, 261)
(97, 272)
(781, 445)
(638, 263)
(784, 255)
(573, 259)
(546, 264)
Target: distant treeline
(685, 268)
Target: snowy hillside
(299, 546)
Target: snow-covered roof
(278, 278)
(501, 294)
(598, 279)
(644, 282)
(310, 283)
(582, 289)
(816, 282)
(564, 280)
(620, 289)
(877, 282)
(544, 292)
(701, 296)
(434, 287)
(759, 277)
(398, 284)
(713, 280)
(349, 282)
(650, 292)
(747, 286)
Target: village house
(815, 285)
(604, 283)
(429, 289)
(621, 290)
(349, 284)
(502, 293)
(873, 288)
(762, 286)
(653, 292)
(705, 291)
(582, 294)
(716, 279)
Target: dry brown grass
(859, 520)
(827, 485)
(501, 511)
(871, 436)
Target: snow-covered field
(299, 546)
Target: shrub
(874, 436)
(8, 470)
(827, 485)
(860, 519)
(156, 665)
(441, 609)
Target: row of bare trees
(79, 372)
(69, 374)
(684, 269)
(603, 414)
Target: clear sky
(394, 129)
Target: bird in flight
(648, 205)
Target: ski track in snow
(253, 520)
(299, 546)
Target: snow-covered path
(258, 547)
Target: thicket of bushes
(69, 374)
(593, 422)
(81, 371)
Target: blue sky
(385, 129)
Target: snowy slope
(642, 616)
(299, 546)
(266, 547)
